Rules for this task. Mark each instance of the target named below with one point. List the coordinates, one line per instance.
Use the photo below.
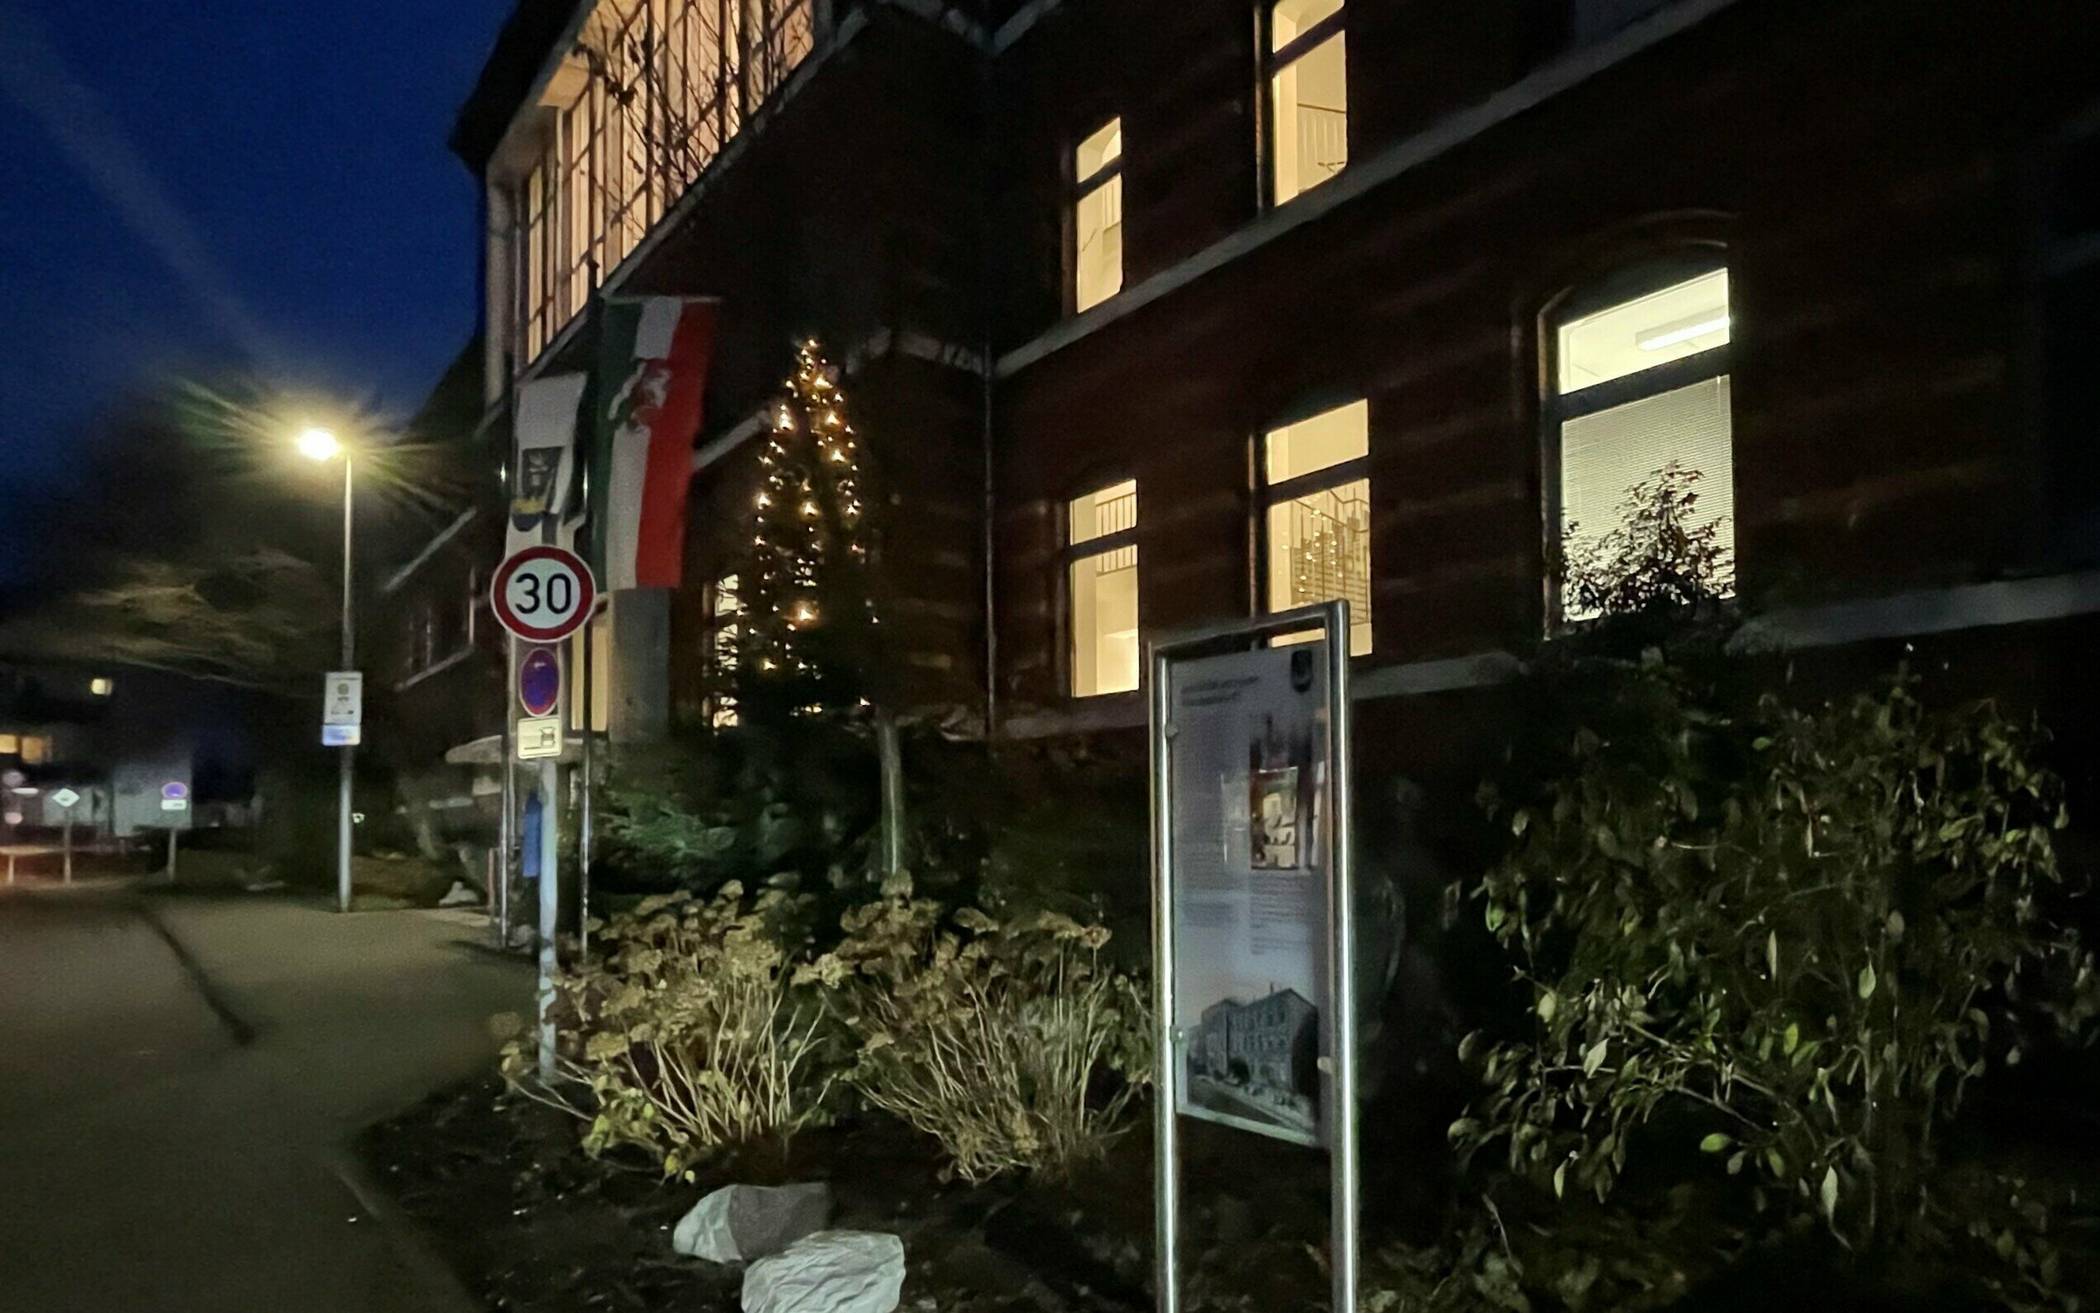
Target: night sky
(184, 185)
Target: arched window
(1637, 379)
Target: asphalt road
(179, 1079)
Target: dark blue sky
(183, 181)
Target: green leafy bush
(1800, 935)
(689, 1032)
(1011, 1042)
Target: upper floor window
(1304, 61)
(654, 90)
(1316, 516)
(1639, 384)
(1097, 217)
(1102, 571)
(101, 686)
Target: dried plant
(1011, 1042)
(689, 1032)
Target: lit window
(1641, 382)
(725, 603)
(1307, 69)
(1316, 498)
(10, 745)
(101, 686)
(36, 750)
(1097, 217)
(665, 86)
(1102, 573)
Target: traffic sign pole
(543, 594)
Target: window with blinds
(1102, 590)
(1640, 382)
(1316, 515)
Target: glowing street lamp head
(319, 444)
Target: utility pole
(349, 762)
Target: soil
(533, 1224)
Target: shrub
(1011, 1042)
(689, 1032)
(1796, 938)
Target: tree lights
(808, 590)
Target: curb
(242, 1031)
(408, 1238)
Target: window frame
(1268, 63)
(718, 707)
(1267, 496)
(1625, 281)
(1077, 190)
(1070, 553)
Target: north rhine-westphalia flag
(652, 374)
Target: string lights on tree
(807, 577)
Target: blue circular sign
(175, 791)
(539, 681)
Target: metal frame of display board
(1338, 1022)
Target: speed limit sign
(543, 594)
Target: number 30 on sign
(543, 594)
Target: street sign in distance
(174, 791)
(539, 681)
(543, 594)
(65, 797)
(343, 698)
(342, 736)
(539, 738)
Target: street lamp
(319, 444)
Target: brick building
(1157, 314)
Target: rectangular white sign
(1248, 808)
(343, 698)
(539, 738)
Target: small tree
(810, 613)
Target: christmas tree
(809, 610)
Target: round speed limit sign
(543, 594)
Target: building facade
(1155, 315)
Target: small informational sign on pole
(66, 798)
(343, 709)
(175, 796)
(1251, 887)
(539, 738)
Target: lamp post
(320, 444)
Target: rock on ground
(738, 1223)
(829, 1272)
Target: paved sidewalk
(152, 1160)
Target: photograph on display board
(1250, 895)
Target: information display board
(1250, 889)
(1251, 879)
